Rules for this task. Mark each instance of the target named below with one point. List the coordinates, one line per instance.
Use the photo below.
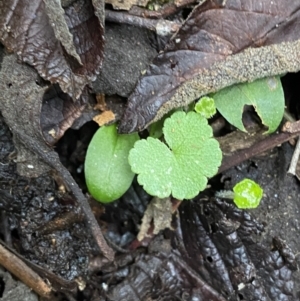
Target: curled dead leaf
(64, 45)
(216, 47)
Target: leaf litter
(216, 48)
(68, 52)
(203, 283)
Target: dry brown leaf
(220, 44)
(105, 118)
(159, 211)
(65, 45)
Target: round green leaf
(247, 194)
(152, 160)
(107, 172)
(206, 107)
(182, 168)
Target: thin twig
(82, 201)
(161, 27)
(296, 154)
(270, 142)
(115, 246)
(60, 223)
(295, 159)
(58, 284)
(51, 158)
(165, 11)
(205, 288)
(18, 268)
(66, 221)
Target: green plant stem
(225, 194)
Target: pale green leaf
(247, 194)
(206, 107)
(107, 172)
(266, 95)
(182, 168)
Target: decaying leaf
(107, 116)
(216, 47)
(222, 246)
(215, 254)
(43, 113)
(58, 112)
(55, 14)
(159, 211)
(42, 36)
(20, 114)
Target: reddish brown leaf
(58, 113)
(210, 35)
(25, 28)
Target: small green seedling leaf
(247, 194)
(107, 172)
(182, 167)
(266, 95)
(155, 129)
(206, 107)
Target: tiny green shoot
(206, 107)
(246, 194)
